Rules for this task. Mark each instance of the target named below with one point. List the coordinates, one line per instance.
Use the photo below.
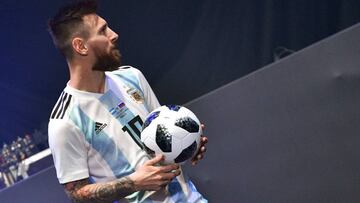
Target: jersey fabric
(97, 136)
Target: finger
(177, 172)
(170, 175)
(193, 162)
(197, 157)
(169, 168)
(202, 150)
(204, 140)
(157, 159)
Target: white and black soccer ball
(172, 130)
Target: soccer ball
(171, 130)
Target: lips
(116, 53)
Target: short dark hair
(68, 22)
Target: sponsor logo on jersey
(121, 105)
(119, 110)
(99, 127)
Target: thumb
(157, 159)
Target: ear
(79, 46)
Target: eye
(102, 30)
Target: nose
(113, 36)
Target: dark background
(185, 48)
(287, 133)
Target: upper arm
(67, 144)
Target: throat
(93, 83)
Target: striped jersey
(97, 136)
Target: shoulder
(62, 127)
(126, 70)
(128, 74)
(62, 133)
(60, 123)
(62, 105)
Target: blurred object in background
(281, 52)
(16, 158)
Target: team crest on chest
(135, 95)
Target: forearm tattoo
(82, 191)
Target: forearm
(82, 191)
(146, 177)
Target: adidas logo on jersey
(99, 127)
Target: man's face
(102, 42)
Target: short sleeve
(67, 145)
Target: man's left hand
(202, 149)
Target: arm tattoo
(82, 191)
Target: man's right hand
(150, 176)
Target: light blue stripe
(102, 143)
(129, 77)
(176, 192)
(131, 80)
(195, 196)
(110, 101)
(123, 115)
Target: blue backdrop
(185, 48)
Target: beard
(107, 61)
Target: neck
(83, 78)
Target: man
(94, 126)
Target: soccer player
(95, 125)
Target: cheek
(99, 44)
(102, 45)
